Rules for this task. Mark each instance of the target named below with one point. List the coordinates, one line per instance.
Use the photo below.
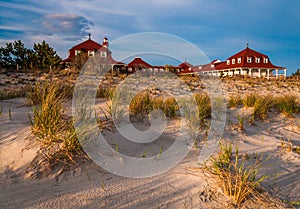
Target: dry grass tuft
(237, 178)
(234, 101)
(262, 106)
(287, 104)
(249, 100)
(54, 131)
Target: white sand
(184, 186)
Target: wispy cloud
(69, 26)
(219, 27)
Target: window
(228, 62)
(239, 60)
(91, 53)
(233, 61)
(249, 59)
(103, 54)
(77, 52)
(257, 60)
(266, 60)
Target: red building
(138, 64)
(89, 48)
(247, 62)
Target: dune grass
(10, 93)
(237, 178)
(249, 100)
(54, 130)
(287, 104)
(262, 106)
(234, 101)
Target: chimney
(105, 42)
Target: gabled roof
(248, 53)
(243, 56)
(185, 65)
(88, 45)
(138, 62)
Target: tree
(19, 53)
(46, 57)
(297, 73)
(6, 59)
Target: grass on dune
(54, 130)
(237, 178)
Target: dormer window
(266, 60)
(249, 59)
(103, 54)
(233, 61)
(91, 53)
(257, 60)
(228, 62)
(239, 60)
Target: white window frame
(228, 62)
(233, 61)
(239, 60)
(249, 59)
(266, 60)
(257, 60)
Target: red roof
(138, 62)
(88, 45)
(185, 65)
(240, 60)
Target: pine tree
(46, 57)
(297, 73)
(19, 53)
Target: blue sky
(219, 28)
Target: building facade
(247, 62)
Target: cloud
(69, 26)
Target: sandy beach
(184, 186)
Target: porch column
(268, 73)
(250, 73)
(284, 70)
(276, 73)
(259, 73)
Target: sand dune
(184, 186)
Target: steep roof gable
(240, 60)
(138, 62)
(87, 45)
(248, 53)
(185, 65)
